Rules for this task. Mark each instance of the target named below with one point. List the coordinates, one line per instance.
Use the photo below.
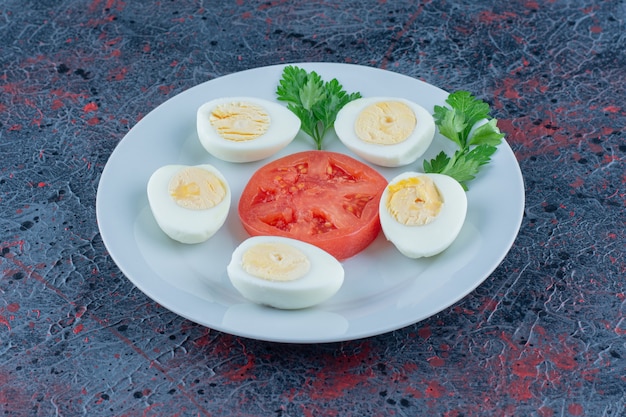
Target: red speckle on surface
(97, 5)
(4, 321)
(453, 413)
(575, 409)
(166, 89)
(527, 366)
(241, 373)
(13, 307)
(89, 107)
(589, 10)
(424, 332)
(531, 136)
(56, 104)
(578, 183)
(489, 305)
(435, 390)
(612, 109)
(620, 328)
(488, 16)
(203, 340)
(414, 392)
(436, 361)
(563, 359)
(519, 389)
(118, 74)
(509, 89)
(532, 5)
(94, 6)
(595, 29)
(329, 387)
(67, 95)
(331, 382)
(78, 329)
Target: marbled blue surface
(544, 335)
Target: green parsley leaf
(487, 134)
(451, 124)
(463, 169)
(315, 102)
(482, 153)
(312, 92)
(289, 86)
(437, 165)
(460, 122)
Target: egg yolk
(385, 123)
(239, 121)
(414, 201)
(196, 189)
(275, 262)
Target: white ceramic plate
(382, 291)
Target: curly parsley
(315, 102)
(477, 142)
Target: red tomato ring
(324, 198)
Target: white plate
(383, 290)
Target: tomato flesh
(324, 198)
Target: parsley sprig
(477, 142)
(314, 101)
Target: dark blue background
(544, 336)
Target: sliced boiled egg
(245, 129)
(422, 214)
(284, 273)
(386, 131)
(189, 203)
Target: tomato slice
(324, 198)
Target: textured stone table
(544, 335)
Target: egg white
(179, 223)
(393, 155)
(436, 236)
(321, 282)
(283, 128)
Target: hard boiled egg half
(284, 273)
(422, 214)
(189, 203)
(385, 131)
(245, 129)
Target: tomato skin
(324, 198)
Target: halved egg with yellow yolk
(386, 131)
(245, 129)
(284, 273)
(422, 214)
(189, 203)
